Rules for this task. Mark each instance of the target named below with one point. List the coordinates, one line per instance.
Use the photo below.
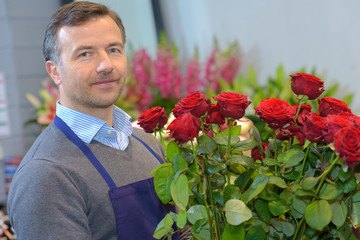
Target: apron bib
(137, 208)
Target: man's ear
(54, 71)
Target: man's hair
(74, 14)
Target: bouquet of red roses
(300, 180)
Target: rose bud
(153, 119)
(231, 104)
(275, 112)
(347, 145)
(184, 128)
(306, 84)
(329, 105)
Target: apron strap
(85, 149)
(148, 148)
(89, 154)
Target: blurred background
(259, 43)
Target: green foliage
(294, 192)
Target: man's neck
(105, 114)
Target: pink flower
(167, 74)
(142, 72)
(192, 80)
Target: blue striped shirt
(89, 128)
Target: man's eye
(114, 50)
(84, 54)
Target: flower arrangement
(161, 81)
(301, 181)
(45, 110)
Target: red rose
(314, 127)
(275, 112)
(334, 124)
(255, 153)
(355, 121)
(303, 113)
(153, 119)
(231, 104)
(196, 103)
(306, 84)
(184, 128)
(215, 116)
(347, 144)
(329, 105)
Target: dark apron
(137, 208)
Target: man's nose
(104, 63)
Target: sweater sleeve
(54, 210)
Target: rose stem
(208, 183)
(303, 164)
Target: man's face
(93, 65)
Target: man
(87, 174)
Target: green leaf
(255, 188)
(181, 219)
(262, 209)
(196, 212)
(235, 131)
(217, 180)
(339, 213)
(318, 214)
(356, 197)
(283, 226)
(299, 205)
(164, 227)
(236, 212)
(355, 214)
(277, 181)
(180, 192)
(245, 145)
(278, 207)
(291, 158)
(231, 192)
(172, 149)
(233, 232)
(292, 175)
(243, 179)
(343, 176)
(303, 193)
(214, 168)
(180, 164)
(349, 185)
(219, 197)
(270, 162)
(162, 182)
(223, 140)
(256, 232)
(330, 191)
(245, 161)
(158, 167)
(309, 183)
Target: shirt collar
(86, 126)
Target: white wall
(324, 34)
(22, 27)
(137, 17)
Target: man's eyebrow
(82, 47)
(116, 44)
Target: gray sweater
(57, 193)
